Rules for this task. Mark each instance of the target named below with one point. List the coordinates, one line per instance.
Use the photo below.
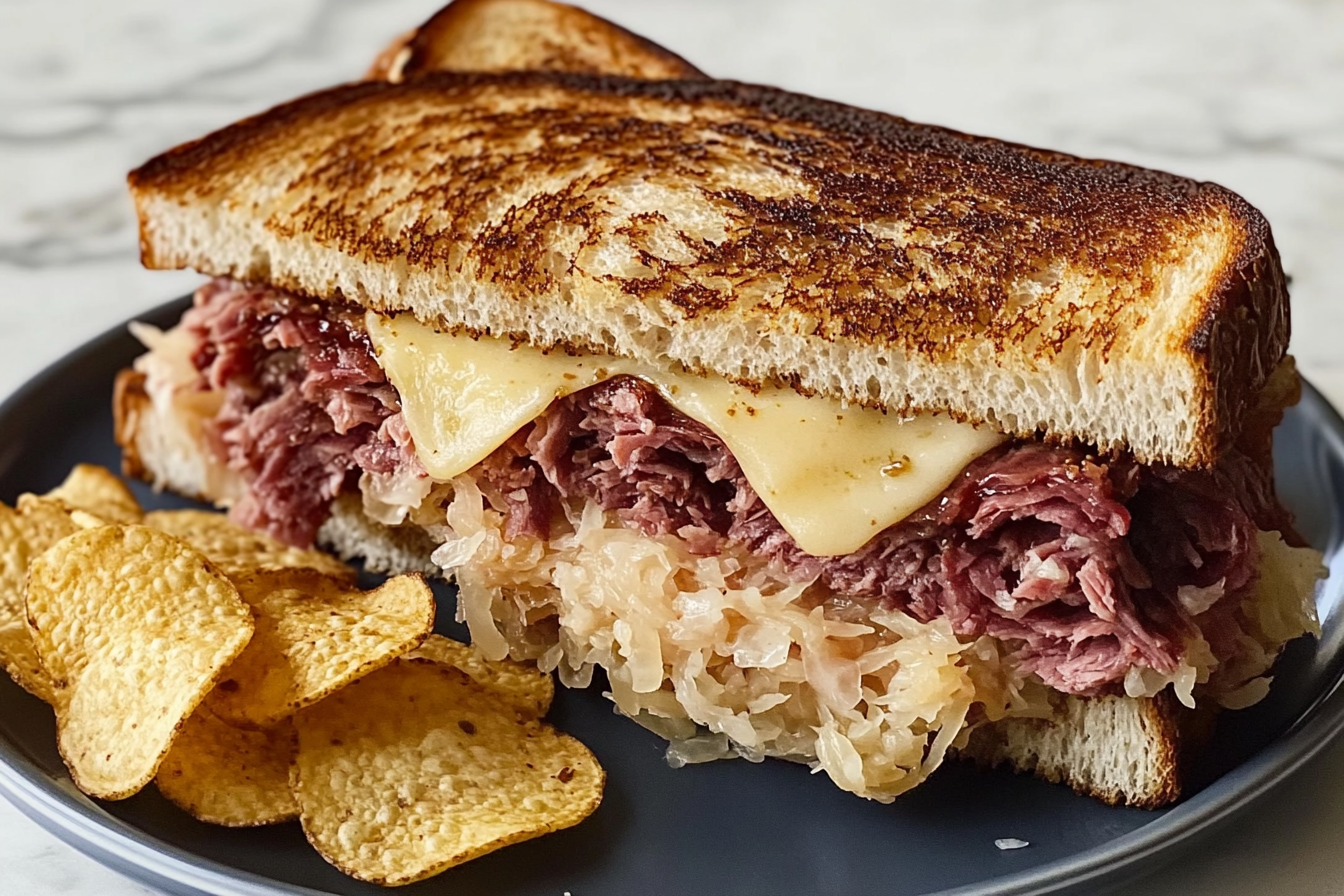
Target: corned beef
(304, 399)
(1086, 566)
(1032, 544)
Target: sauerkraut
(722, 655)
(726, 656)
(181, 412)
(1282, 607)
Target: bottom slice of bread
(1122, 750)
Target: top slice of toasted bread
(758, 234)
(524, 35)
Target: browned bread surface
(522, 35)
(754, 233)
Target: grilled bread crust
(756, 234)
(525, 35)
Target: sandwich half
(827, 435)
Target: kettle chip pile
(256, 683)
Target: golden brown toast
(757, 234)
(523, 35)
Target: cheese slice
(834, 476)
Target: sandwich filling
(615, 530)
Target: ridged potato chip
(100, 492)
(230, 776)
(255, 683)
(21, 662)
(238, 551)
(522, 684)
(17, 653)
(134, 627)
(315, 635)
(416, 768)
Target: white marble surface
(1250, 94)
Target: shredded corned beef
(1031, 544)
(515, 483)
(305, 402)
(1087, 566)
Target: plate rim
(79, 822)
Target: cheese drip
(834, 476)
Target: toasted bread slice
(1121, 750)
(756, 234)
(525, 35)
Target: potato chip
(522, 684)
(416, 768)
(19, 659)
(315, 635)
(226, 775)
(99, 491)
(37, 525)
(17, 654)
(134, 627)
(45, 521)
(238, 551)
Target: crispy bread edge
(391, 60)
(137, 428)
(1242, 332)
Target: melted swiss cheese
(834, 476)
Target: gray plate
(725, 827)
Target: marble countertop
(1248, 94)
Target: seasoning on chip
(99, 491)
(520, 683)
(239, 551)
(17, 654)
(45, 521)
